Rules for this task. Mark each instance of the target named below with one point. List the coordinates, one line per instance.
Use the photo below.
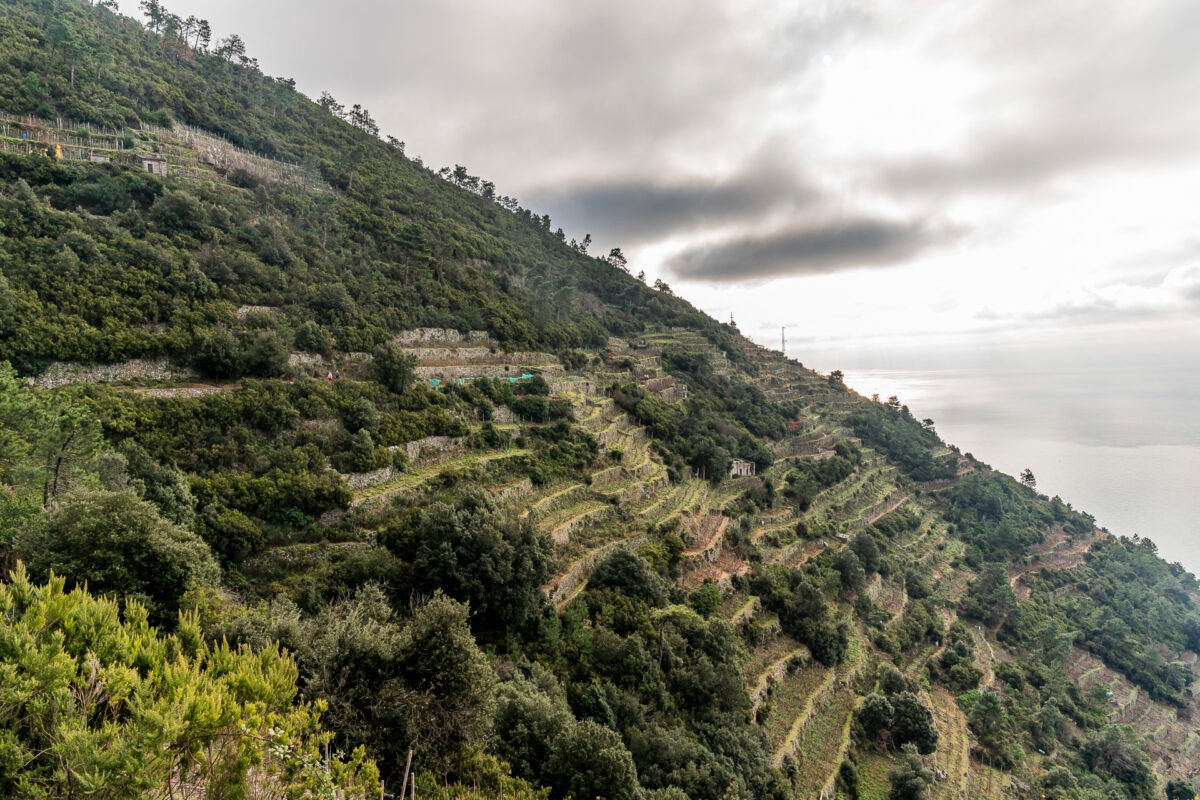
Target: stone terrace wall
(566, 385)
(468, 371)
(63, 373)
(503, 415)
(450, 355)
(362, 480)
(433, 449)
(514, 491)
(435, 336)
(244, 311)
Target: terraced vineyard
(625, 501)
(805, 710)
(415, 479)
(480, 483)
(793, 704)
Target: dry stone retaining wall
(310, 364)
(514, 491)
(578, 573)
(503, 415)
(433, 449)
(363, 480)
(442, 355)
(565, 385)
(469, 371)
(562, 534)
(440, 336)
(63, 373)
(245, 311)
(186, 392)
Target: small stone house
(741, 468)
(155, 165)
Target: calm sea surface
(1117, 435)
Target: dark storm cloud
(634, 211)
(845, 244)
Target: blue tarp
(525, 376)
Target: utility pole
(783, 340)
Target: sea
(1112, 427)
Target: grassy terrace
(913, 541)
(737, 606)
(671, 500)
(774, 670)
(873, 769)
(892, 596)
(572, 515)
(411, 480)
(850, 501)
(546, 504)
(277, 566)
(789, 551)
(822, 741)
(791, 708)
(986, 783)
(782, 532)
(590, 535)
(759, 660)
(573, 577)
(953, 755)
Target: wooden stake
(407, 765)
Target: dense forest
(327, 473)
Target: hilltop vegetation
(372, 476)
(158, 269)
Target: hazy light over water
(1118, 437)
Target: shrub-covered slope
(312, 394)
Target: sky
(937, 185)
(859, 172)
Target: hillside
(525, 526)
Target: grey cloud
(1073, 87)
(1171, 293)
(552, 99)
(541, 92)
(840, 245)
(1009, 162)
(633, 211)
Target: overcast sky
(870, 174)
